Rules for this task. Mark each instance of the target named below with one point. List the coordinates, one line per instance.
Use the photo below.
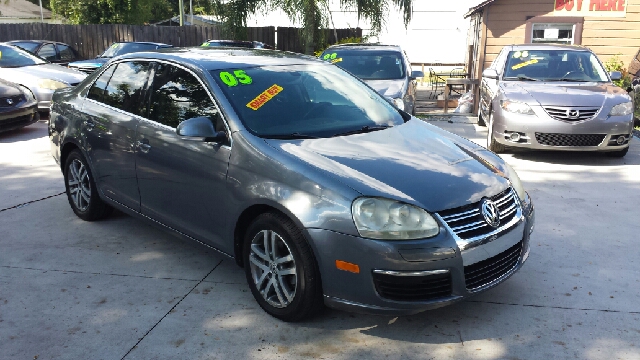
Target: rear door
(182, 181)
(112, 109)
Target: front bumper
(542, 132)
(18, 117)
(440, 256)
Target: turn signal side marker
(347, 266)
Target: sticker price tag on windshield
(266, 95)
(330, 56)
(238, 77)
(523, 64)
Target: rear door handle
(143, 145)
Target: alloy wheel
(273, 268)
(79, 185)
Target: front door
(112, 110)
(182, 181)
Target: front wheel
(82, 192)
(280, 268)
(492, 144)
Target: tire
(481, 121)
(619, 153)
(290, 287)
(82, 191)
(491, 141)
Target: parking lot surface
(121, 289)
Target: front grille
(570, 139)
(10, 101)
(486, 271)
(571, 114)
(467, 222)
(413, 288)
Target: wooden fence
(92, 40)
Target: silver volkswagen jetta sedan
(557, 97)
(323, 191)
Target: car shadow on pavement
(27, 133)
(579, 157)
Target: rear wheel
(280, 268)
(619, 153)
(82, 192)
(492, 144)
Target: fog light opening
(515, 137)
(621, 140)
(347, 266)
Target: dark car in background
(237, 43)
(52, 51)
(313, 182)
(18, 107)
(116, 49)
(385, 68)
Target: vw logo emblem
(10, 101)
(573, 114)
(490, 213)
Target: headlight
(516, 107)
(515, 182)
(51, 84)
(27, 93)
(378, 218)
(399, 103)
(622, 109)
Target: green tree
(313, 15)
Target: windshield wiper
(570, 80)
(362, 130)
(521, 78)
(292, 136)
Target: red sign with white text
(591, 8)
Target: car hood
(562, 93)
(96, 63)
(29, 75)
(389, 88)
(7, 89)
(413, 162)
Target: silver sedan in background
(556, 97)
(38, 75)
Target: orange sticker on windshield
(266, 95)
(523, 64)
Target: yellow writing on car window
(266, 95)
(0, 54)
(523, 64)
(336, 60)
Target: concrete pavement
(120, 289)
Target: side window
(66, 54)
(177, 95)
(97, 89)
(48, 52)
(125, 90)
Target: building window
(554, 29)
(553, 33)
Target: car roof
(548, 47)
(35, 41)
(365, 46)
(215, 58)
(142, 42)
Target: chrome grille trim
(562, 113)
(512, 211)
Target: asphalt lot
(120, 289)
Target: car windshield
(368, 64)
(124, 48)
(16, 57)
(304, 101)
(554, 65)
(29, 46)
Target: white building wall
(436, 34)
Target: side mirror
(200, 129)
(615, 75)
(416, 74)
(490, 74)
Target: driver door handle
(89, 124)
(143, 145)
